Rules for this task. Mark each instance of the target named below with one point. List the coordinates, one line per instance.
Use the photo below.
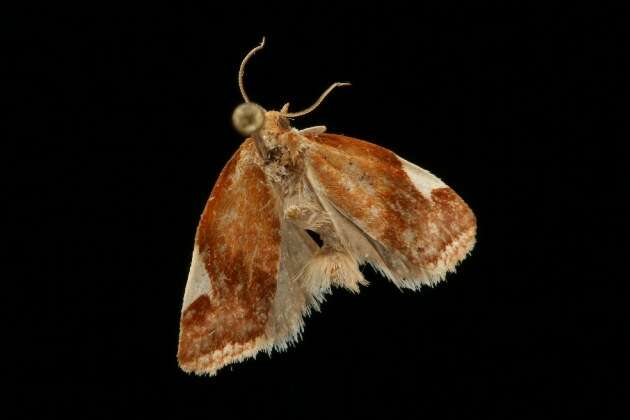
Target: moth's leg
(332, 265)
(306, 216)
(315, 130)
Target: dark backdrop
(123, 124)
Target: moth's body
(283, 150)
(256, 272)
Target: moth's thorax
(280, 147)
(274, 133)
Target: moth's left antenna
(241, 71)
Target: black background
(121, 125)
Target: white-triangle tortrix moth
(256, 271)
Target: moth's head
(250, 118)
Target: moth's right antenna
(315, 105)
(241, 71)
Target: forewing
(391, 213)
(230, 292)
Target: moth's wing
(240, 297)
(389, 212)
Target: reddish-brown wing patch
(370, 186)
(238, 239)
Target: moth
(258, 268)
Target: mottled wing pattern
(229, 297)
(415, 227)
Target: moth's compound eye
(248, 118)
(283, 122)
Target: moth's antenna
(241, 71)
(317, 102)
